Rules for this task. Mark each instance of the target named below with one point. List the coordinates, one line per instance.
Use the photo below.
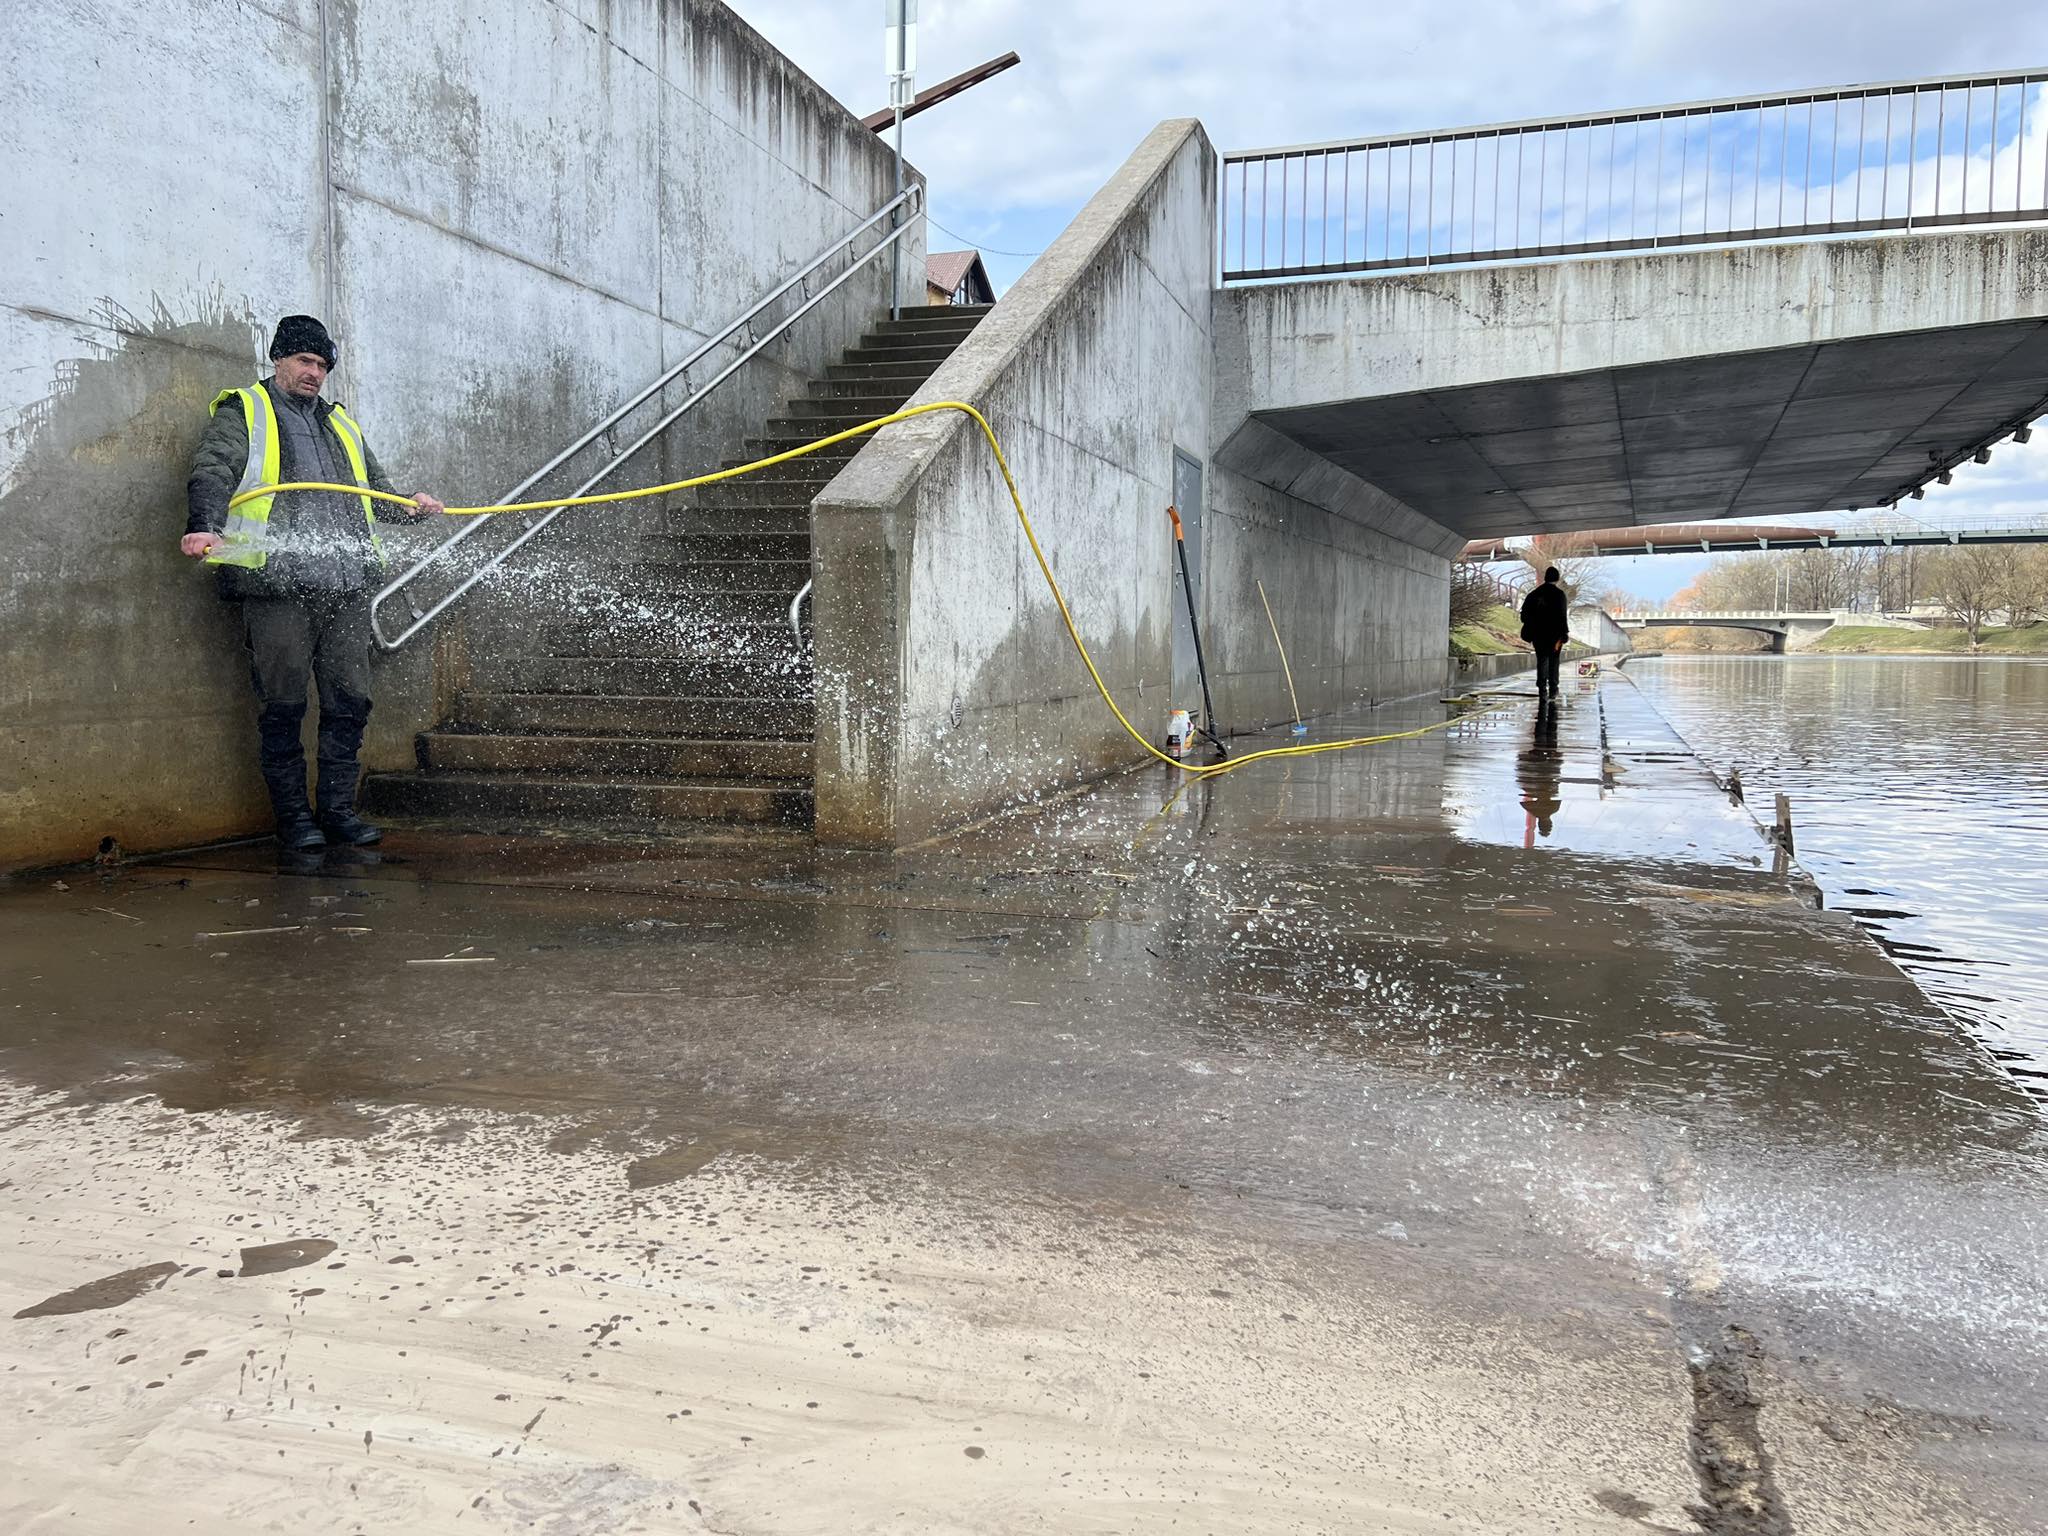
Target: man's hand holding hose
(199, 545)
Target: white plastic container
(1179, 728)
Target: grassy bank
(1496, 633)
(1873, 640)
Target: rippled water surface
(1919, 791)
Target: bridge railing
(1913, 154)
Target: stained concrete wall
(1593, 627)
(511, 216)
(947, 686)
(1364, 615)
(946, 682)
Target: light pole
(899, 54)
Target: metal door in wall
(1187, 498)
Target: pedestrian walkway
(1328, 1147)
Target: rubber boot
(283, 762)
(341, 738)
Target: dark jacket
(1546, 616)
(217, 470)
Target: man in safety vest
(302, 566)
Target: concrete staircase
(687, 700)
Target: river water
(1919, 790)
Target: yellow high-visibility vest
(248, 527)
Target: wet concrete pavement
(1475, 1133)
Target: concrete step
(899, 371)
(661, 757)
(832, 396)
(718, 510)
(813, 469)
(689, 548)
(772, 442)
(941, 318)
(707, 632)
(761, 719)
(681, 588)
(640, 572)
(901, 350)
(789, 501)
(544, 799)
(810, 426)
(659, 597)
(654, 677)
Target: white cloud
(1096, 78)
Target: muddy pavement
(1471, 1133)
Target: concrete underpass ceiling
(1755, 434)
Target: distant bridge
(1789, 631)
(1885, 530)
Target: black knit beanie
(301, 333)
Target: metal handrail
(908, 198)
(796, 608)
(1898, 155)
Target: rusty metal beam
(945, 90)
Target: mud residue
(93, 503)
(1738, 1493)
(112, 1291)
(269, 1258)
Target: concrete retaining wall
(1592, 627)
(510, 216)
(946, 683)
(1363, 614)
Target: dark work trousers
(322, 638)
(1547, 658)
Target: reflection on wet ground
(1515, 1017)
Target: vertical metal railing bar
(1940, 144)
(1635, 182)
(2019, 147)
(1387, 253)
(1305, 205)
(1285, 162)
(1756, 174)
(1613, 153)
(2044, 155)
(1451, 208)
(1884, 189)
(1345, 216)
(1779, 172)
(1835, 162)
(1707, 179)
(1912, 157)
(1515, 239)
(1244, 189)
(1657, 188)
(1323, 232)
(1969, 122)
(1429, 208)
(1806, 170)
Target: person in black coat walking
(1546, 625)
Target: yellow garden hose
(1023, 518)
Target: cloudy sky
(1010, 162)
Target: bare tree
(2026, 585)
(1577, 567)
(1473, 593)
(1732, 584)
(1969, 581)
